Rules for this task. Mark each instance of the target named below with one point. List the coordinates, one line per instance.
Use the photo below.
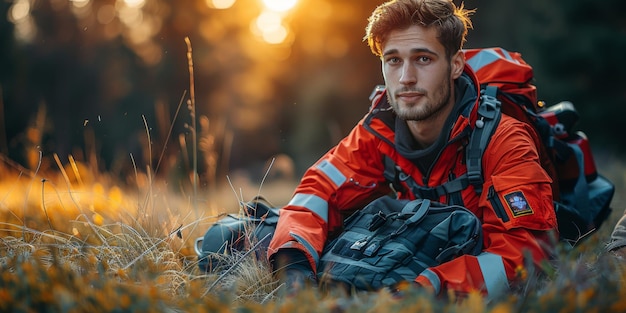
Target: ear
(457, 64)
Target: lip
(407, 96)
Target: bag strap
(395, 175)
(488, 118)
(450, 252)
(418, 210)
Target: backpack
(233, 233)
(384, 243)
(390, 241)
(582, 197)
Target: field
(75, 240)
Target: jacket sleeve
(344, 179)
(517, 212)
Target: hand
(297, 279)
(293, 269)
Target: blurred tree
(579, 48)
(267, 81)
(7, 77)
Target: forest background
(89, 78)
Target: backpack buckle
(475, 179)
(489, 106)
(359, 244)
(372, 249)
(379, 219)
(378, 90)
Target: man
(424, 126)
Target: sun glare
(280, 5)
(220, 4)
(270, 24)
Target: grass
(96, 245)
(91, 245)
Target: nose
(409, 75)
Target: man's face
(417, 73)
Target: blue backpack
(253, 226)
(391, 240)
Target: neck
(427, 131)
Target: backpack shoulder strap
(396, 176)
(488, 118)
(489, 115)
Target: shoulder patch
(517, 203)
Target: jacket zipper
(493, 198)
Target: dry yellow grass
(79, 241)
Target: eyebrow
(413, 51)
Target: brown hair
(452, 22)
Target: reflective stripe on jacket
(515, 206)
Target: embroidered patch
(518, 204)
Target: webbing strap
(395, 175)
(488, 118)
(434, 193)
(418, 208)
(392, 174)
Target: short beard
(429, 111)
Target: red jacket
(515, 206)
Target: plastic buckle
(377, 91)
(489, 106)
(476, 180)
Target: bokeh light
(275, 36)
(269, 26)
(19, 15)
(105, 14)
(19, 11)
(135, 3)
(80, 3)
(280, 5)
(268, 21)
(220, 4)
